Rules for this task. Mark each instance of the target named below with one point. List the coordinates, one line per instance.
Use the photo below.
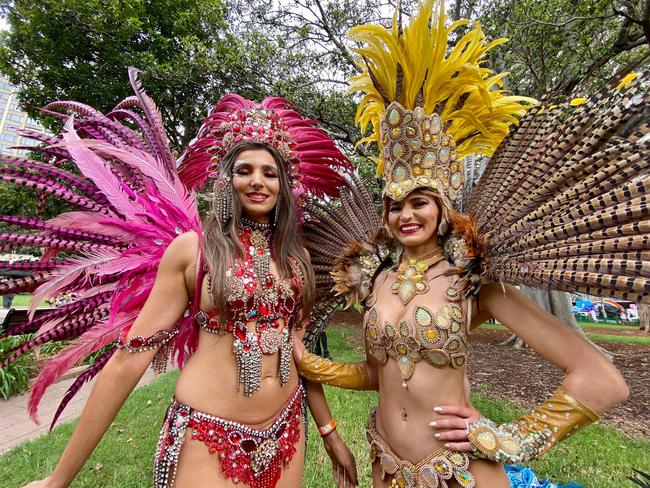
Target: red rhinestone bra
(263, 299)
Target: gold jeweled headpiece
(418, 154)
(429, 104)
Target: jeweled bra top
(437, 337)
(262, 299)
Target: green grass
(21, 301)
(598, 457)
(599, 325)
(622, 339)
(640, 340)
(25, 300)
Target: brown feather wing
(564, 200)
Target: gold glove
(533, 435)
(349, 376)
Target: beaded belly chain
(254, 294)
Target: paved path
(16, 426)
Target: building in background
(12, 119)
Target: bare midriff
(405, 408)
(208, 382)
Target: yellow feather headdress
(430, 104)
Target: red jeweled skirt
(249, 456)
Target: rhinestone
(429, 159)
(393, 117)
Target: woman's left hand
(343, 462)
(453, 427)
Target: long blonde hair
(221, 240)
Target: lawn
(21, 301)
(598, 457)
(600, 325)
(643, 340)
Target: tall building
(12, 119)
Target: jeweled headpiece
(429, 105)
(256, 124)
(308, 152)
(418, 154)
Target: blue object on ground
(524, 477)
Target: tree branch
(337, 42)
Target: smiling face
(414, 221)
(256, 183)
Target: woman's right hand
(453, 428)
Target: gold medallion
(410, 279)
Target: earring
(443, 227)
(276, 215)
(222, 204)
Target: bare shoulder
(380, 278)
(182, 252)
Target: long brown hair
(221, 241)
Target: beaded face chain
(253, 294)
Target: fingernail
(433, 424)
(436, 435)
(437, 409)
(447, 445)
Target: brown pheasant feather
(342, 237)
(564, 199)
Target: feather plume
(563, 203)
(454, 83)
(83, 378)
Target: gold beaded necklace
(410, 279)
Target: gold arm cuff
(350, 376)
(531, 436)
(560, 416)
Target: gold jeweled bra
(437, 337)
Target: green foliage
(14, 378)
(558, 46)
(80, 49)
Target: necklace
(265, 308)
(255, 225)
(410, 279)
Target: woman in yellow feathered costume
(546, 208)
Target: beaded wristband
(327, 429)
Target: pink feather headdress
(309, 153)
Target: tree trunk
(559, 304)
(644, 317)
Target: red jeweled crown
(311, 156)
(254, 125)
